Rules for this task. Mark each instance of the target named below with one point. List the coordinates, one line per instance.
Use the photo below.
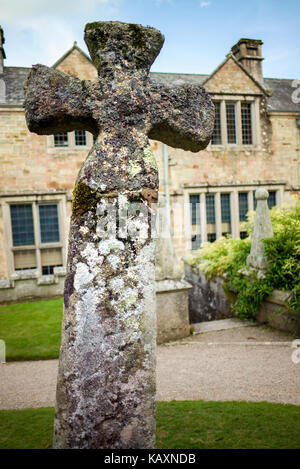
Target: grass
(31, 331)
(180, 425)
(227, 425)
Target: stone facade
(35, 171)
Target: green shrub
(226, 257)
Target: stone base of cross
(106, 380)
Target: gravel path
(243, 363)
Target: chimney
(2, 53)
(248, 53)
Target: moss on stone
(138, 36)
(83, 199)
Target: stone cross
(262, 229)
(106, 380)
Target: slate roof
(14, 78)
(178, 78)
(281, 99)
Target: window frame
(255, 122)
(64, 145)
(71, 147)
(34, 201)
(85, 136)
(233, 190)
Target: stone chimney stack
(2, 53)
(248, 53)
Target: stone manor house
(256, 142)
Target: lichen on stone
(108, 341)
(149, 157)
(135, 168)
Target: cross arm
(56, 102)
(182, 116)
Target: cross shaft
(106, 381)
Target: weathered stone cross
(106, 382)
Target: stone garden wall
(208, 301)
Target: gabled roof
(74, 47)
(230, 56)
(280, 99)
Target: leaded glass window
(217, 137)
(225, 214)
(246, 123)
(35, 227)
(231, 122)
(272, 199)
(195, 221)
(243, 210)
(210, 217)
(243, 205)
(195, 212)
(61, 139)
(49, 228)
(80, 137)
(221, 216)
(50, 258)
(22, 224)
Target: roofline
(248, 39)
(75, 46)
(179, 73)
(15, 66)
(158, 73)
(231, 56)
(283, 111)
(287, 79)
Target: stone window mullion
(235, 214)
(36, 224)
(187, 222)
(255, 123)
(223, 123)
(218, 215)
(203, 217)
(239, 123)
(8, 234)
(250, 201)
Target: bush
(226, 257)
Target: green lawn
(180, 425)
(31, 330)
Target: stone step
(219, 325)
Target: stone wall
(171, 299)
(208, 301)
(172, 310)
(274, 312)
(28, 285)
